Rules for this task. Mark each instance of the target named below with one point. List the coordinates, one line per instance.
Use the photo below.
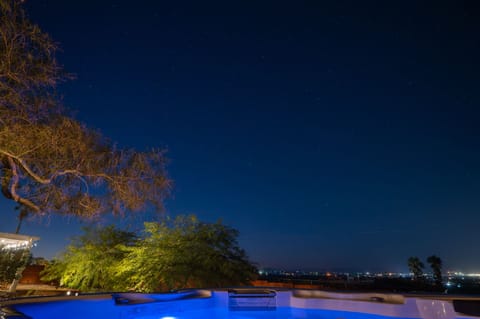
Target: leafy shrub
(173, 254)
(10, 261)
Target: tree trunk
(13, 286)
(21, 216)
(19, 225)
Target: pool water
(175, 310)
(225, 305)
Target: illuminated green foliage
(186, 253)
(174, 254)
(89, 262)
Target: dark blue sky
(333, 135)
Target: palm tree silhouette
(436, 265)
(416, 267)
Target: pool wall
(388, 305)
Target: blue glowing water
(186, 309)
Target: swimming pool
(233, 304)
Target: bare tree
(49, 162)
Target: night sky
(334, 135)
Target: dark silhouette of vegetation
(436, 265)
(49, 162)
(416, 268)
(174, 254)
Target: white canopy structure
(15, 241)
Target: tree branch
(27, 169)
(38, 178)
(13, 188)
